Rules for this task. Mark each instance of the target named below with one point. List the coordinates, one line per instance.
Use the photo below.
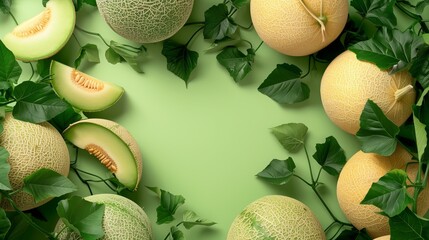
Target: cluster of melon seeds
(145, 21)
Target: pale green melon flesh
(84, 98)
(86, 133)
(60, 17)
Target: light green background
(205, 142)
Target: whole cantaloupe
(31, 147)
(356, 178)
(348, 83)
(298, 27)
(145, 21)
(123, 219)
(276, 217)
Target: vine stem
(28, 219)
(313, 186)
(309, 166)
(193, 35)
(93, 33)
(423, 25)
(419, 185)
(260, 44)
(169, 233)
(13, 17)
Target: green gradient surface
(205, 142)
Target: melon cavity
(83, 91)
(112, 145)
(43, 35)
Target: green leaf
(83, 217)
(420, 6)
(112, 57)
(420, 67)
(421, 123)
(155, 190)
(377, 134)
(219, 45)
(5, 224)
(330, 156)
(119, 187)
(132, 55)
(77, 4)
(90, 2)
(5, 6)
(354, 234)
(240, 3)
(425, 36)
(284, 85)
(46, 183)
(4, 170)
(64, 119)
(389, 193)
(278, 172)
(389, 49)
(408, 225)
(44, 2)
(43, 69)
(236, 63)
(191, 219)
(180, 60)
(37, 102)
(88, 52)
(218, 24)
(10, 71)
(176, 234)
(169, 204)
(291, 135)
(379, 12)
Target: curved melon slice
(83, 91)
(112, 144)
(45, 34)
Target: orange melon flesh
(112, 144)
(45, 34)
(84, 92)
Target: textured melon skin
(124, 135)
(123, 219)
(47, 42)
(145, 21)
(276, 217)
(286, 27)
(355, 179)
(31, 147)
(348, 83)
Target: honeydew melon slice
(43, 35)
(112, 144)
(82, 90)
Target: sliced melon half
(45, 34)
(112, 144)
(82, 90)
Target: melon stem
(318, 19)
(400, 93)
